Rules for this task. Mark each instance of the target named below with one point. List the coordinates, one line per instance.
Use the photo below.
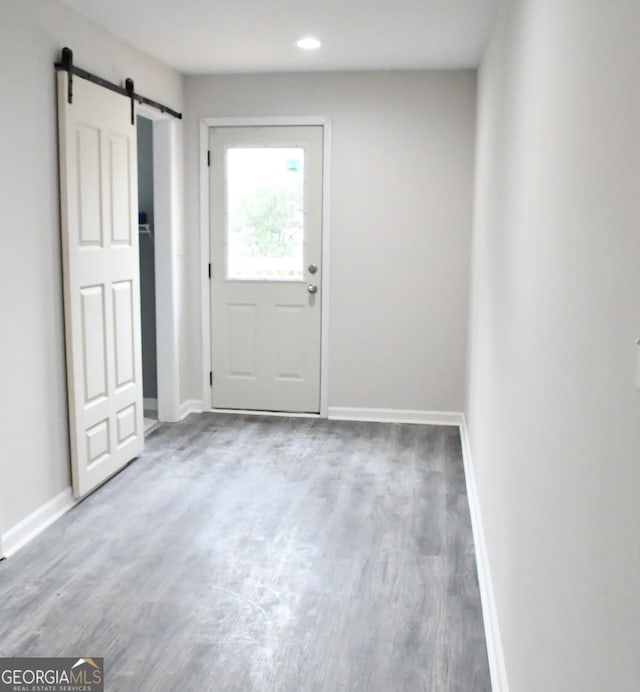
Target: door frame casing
(205, 245)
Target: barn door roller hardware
(66, 64)
(131, 92)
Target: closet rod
(66, 64)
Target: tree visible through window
(265, 213)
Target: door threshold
(283, 414)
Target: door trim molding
(205, 250)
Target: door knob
(313, 268)
(312, 288)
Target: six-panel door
(98, 186)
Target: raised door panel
(119, 190)
(291, 342)
(94, 345)
(123, 336)
(98, 443)
(127, 424)
(88, 180)
(241, 336)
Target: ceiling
(216, 36)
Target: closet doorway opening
(146, 238)
(160, 206)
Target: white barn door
(98, 192)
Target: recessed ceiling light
(308, 43)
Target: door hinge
(210, 378)
(209, 269)
(209, 157)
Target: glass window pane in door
(265, 213)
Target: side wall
(34, 455)
(552, 410)
(401, 198)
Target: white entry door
(266, 289)
(98, 189)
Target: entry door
(98, 189)
(266, 227)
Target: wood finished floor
(246, 553)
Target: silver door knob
(312, 288)
(313, 268)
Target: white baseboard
(20, 534)
(391, 415)
(150, 404)
(189, 406)
(495, 652)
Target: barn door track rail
(66, 64)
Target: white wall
(34, 455)
(553, 413)
(400, 223)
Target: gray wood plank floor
(271, 554)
